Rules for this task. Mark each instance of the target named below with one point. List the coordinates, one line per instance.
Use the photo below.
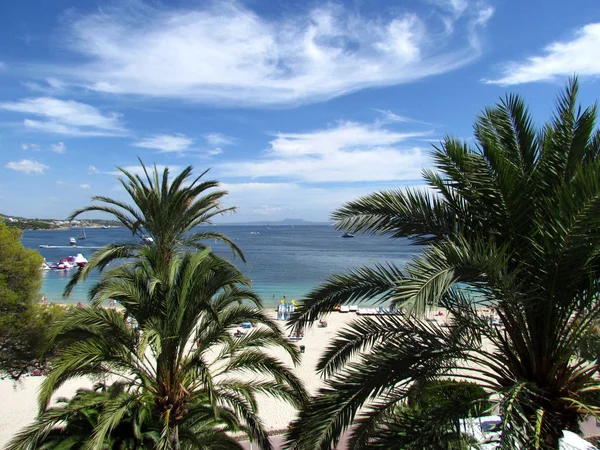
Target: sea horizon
(282, 260)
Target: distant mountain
(287, 222)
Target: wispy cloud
(274, 201)
(267, 210)
(35, 147)
(92, 170)
(214, 152)
(579, 55)
(219, 140)
(388, 117)
(228, 54)
(85, 186)
(66, 117)
(59, 147)
(350, 152)
(27, 166)
(52, 86)
(166, 142)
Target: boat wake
(67, 246)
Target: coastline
(87, 227)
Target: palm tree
(70, 424)
(164, 214)
(173, 349)
(511, 224)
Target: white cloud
(228, 54)
(275, 201)
(35, 147)
(219, 140)
(93, 170)
(27, 166)
(60, 182)
(214, 152)
(166, 142)
(580, 55)
(85, 186)
(59, 147)
(351, 152)
(66, 117)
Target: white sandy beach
(19, 403)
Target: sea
(281, 261)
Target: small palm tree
(164, 213)
(173, 349)
(511, 224)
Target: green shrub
(468, 399)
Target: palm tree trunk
(175, 437)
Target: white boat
(146, 239)
(347, 235)
(45, 266)
(72, 241)
(80, 260)
(63, 264)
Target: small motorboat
(72, 241)
(146, 239)
(347, 235)
(63, 264)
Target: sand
(19, 402)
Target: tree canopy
(510, 223)
(173, 348)
(23, 323)
(165, 213)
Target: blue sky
(295, 106)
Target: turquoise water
(280, 260)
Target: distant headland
(285, 222)
(56, 224)
(61, 224)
